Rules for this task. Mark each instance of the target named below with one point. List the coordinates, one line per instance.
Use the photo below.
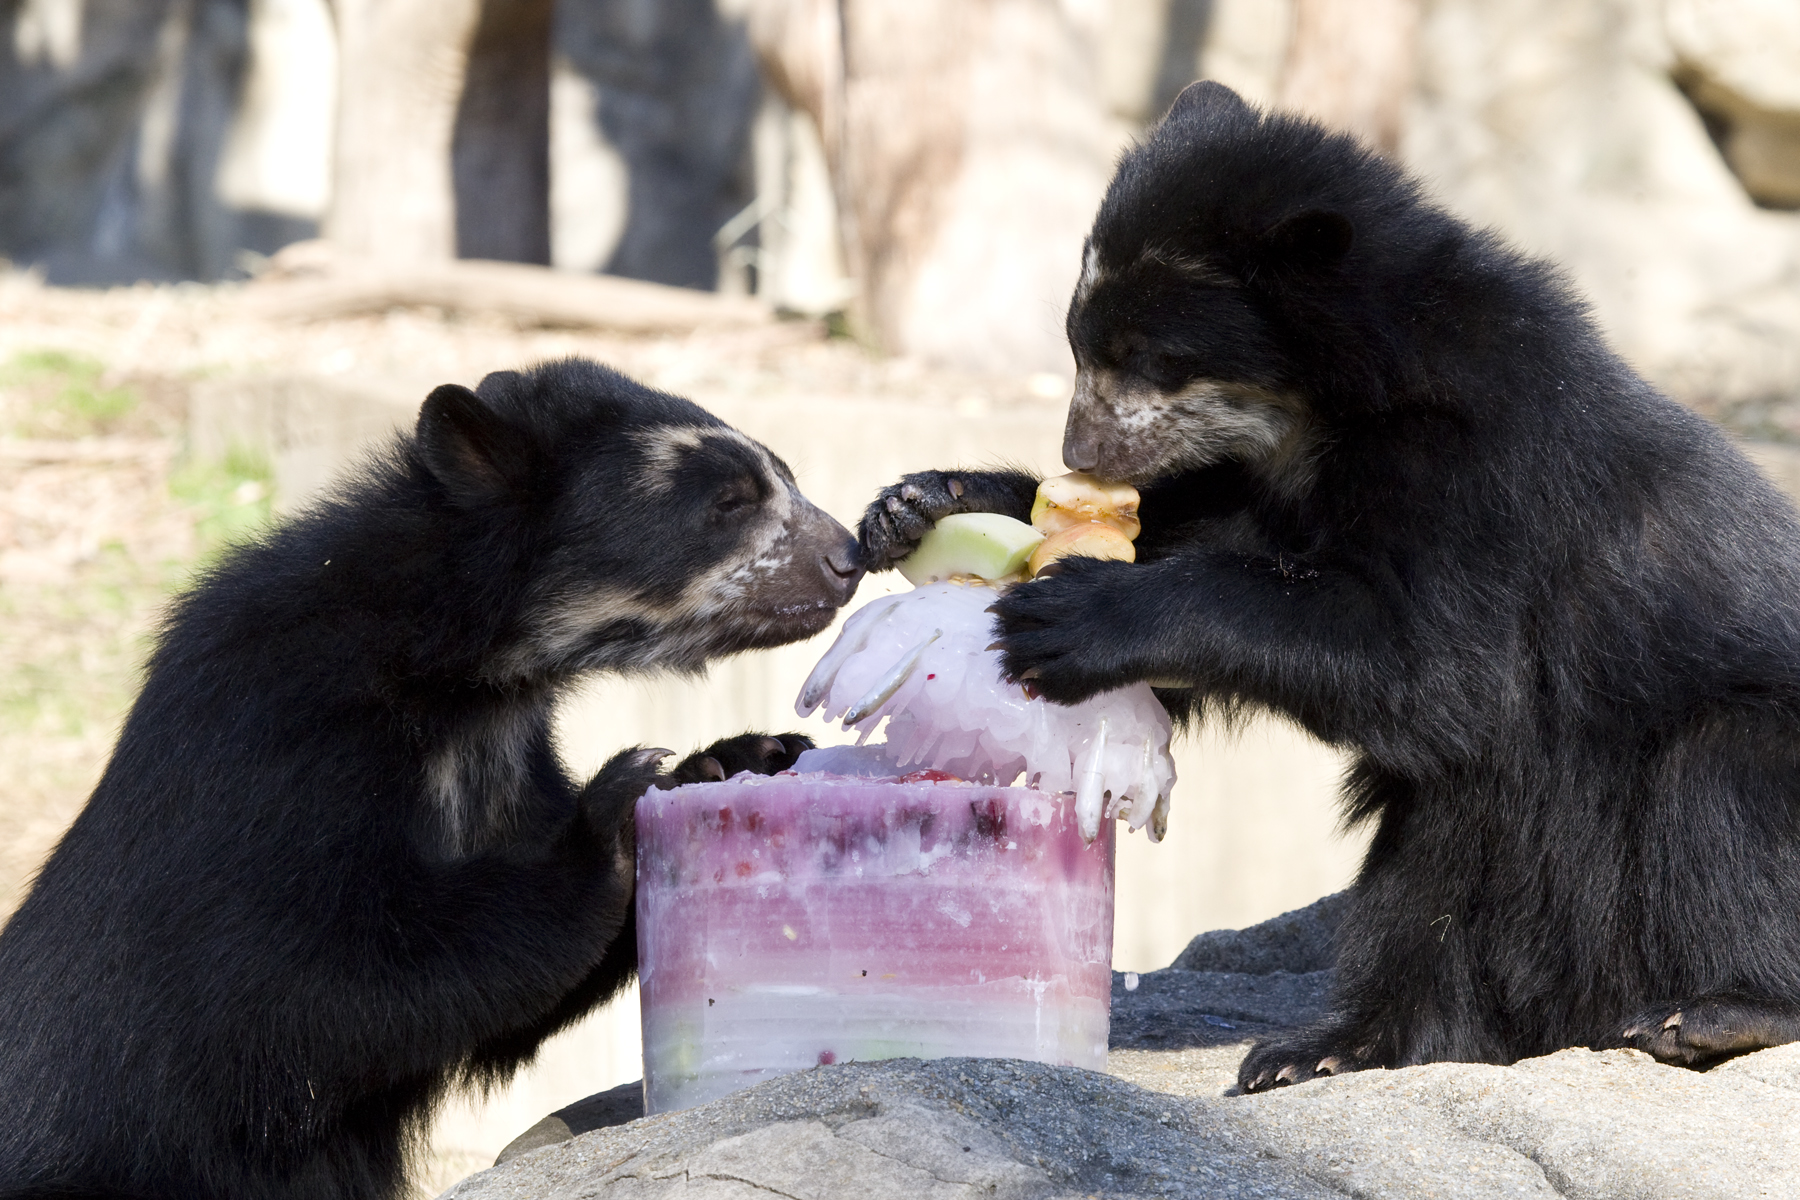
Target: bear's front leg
(1319, 645)
(1710, 1029)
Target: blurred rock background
(246, 236)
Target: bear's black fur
(1397, 488)
(334, 865)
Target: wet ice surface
(921, 661)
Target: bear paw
(1711, 1029)
(758, 753)
(1303, 1055)
(608, 798)
(904, 513)
(1061, 635)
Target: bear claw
(1709, 1029)
(1316, 1054)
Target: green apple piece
(986, 545)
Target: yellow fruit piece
(1090, 539)
(1066, 500)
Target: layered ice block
(792, 920)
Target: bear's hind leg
(1707, 1030)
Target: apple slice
(1077, 497)
(1089, 539)
(986, 545)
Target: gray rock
(601, 1111)
(1232, 985)
(1170, 1009)
(1299, 941)
(1612, 1125)
(1778, 1068)
(945, 1129)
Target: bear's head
(638, 531)
(1224, 286)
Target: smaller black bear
(1397, 488)
(334, 865)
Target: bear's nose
(1081, 449)
(843, 568)
(1081, 432)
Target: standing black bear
(334, 865)
(1396, 487)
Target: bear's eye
(1122, 348)
(735, 497)
(1158, 367)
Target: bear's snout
(842, 565)
(1111, 431)
(1081, 435)
(832, 549)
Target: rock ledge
(1167, 1121)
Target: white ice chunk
(872, 762)
(1091, 792)
(921, 661)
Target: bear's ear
(1207, 100)
(1315, 238)
(477, 456)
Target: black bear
(334, 865)
(1397, 488)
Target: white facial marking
(665, 448)
(1146, 432)
(713, 606)
(1196, 268)
(1090, 274)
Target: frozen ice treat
(792, 920)
(901, 896)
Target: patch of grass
(60, 394)
(72, 648)
(71, 655)
(837, 325)
(232, 498)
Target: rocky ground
(1167, 1121)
